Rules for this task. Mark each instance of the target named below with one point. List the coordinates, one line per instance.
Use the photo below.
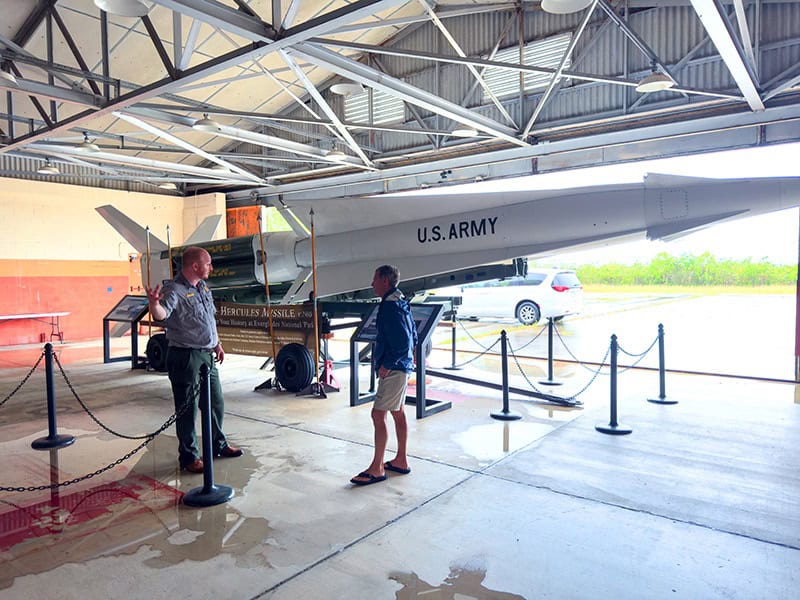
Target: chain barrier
(474, 358)
(24, 380)
(575, 358)
(94, 418)
(473, 339)
(595, 373)
(52, 486)
(529, 342)
(639, 357)
(147, 439)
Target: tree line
(690, 270)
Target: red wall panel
(85, 289)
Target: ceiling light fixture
(86, 145)
(563, 7)
(168, 185)
(347, 89)
(8, 76)
(48, 169)
(123, 8)
(335, 154)
(464, 131)
(655, 82)
(206, 124)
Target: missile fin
(672, 231)
(662, 180)
(134, 234)
(300, 281)
(300, 228)
(205, 231)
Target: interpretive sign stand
(128, 312)
(426, 316)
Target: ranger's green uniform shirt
(190, 310)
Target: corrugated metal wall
(71, 174)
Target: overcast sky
(773, 236)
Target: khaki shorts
(391, 391)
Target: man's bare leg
(401, 429)
(381, 438)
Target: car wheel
(527, 312)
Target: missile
(496, 226)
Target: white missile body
(516, 224)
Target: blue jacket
(397, 334)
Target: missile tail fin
(301, 282)
(300, 228)
(672, 231)
(134, 234)
(205, 231)
(661, 180)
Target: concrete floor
(702, 500)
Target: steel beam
(368, 76)
(186, 145)
(718, 28)
(352, 12)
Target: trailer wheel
(157, 352)
(294, 367)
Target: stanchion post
(209, 494)
(550, 380)
(453, 366)
(662, 372)
(506, 414)
(53, 439)
(613, 427)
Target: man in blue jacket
(394, 359)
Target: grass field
(711, 290)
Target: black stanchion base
(613, 429)
(453, 368)
(505, 416)
(57, 441)
(550, 382)
(661, 401)
(210, 496)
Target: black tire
(157, 352)
(527, 312)
(294, 367)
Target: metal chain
(636, 362)
(519, 367)
(474, 358)
(95, 419)
(472, 338)
(575, 358)
(583, 389)
(149, 438)
(52, 486)
(642, 354)
(594, 376)
(529, 342)
(24, 380)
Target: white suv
(542, 293)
